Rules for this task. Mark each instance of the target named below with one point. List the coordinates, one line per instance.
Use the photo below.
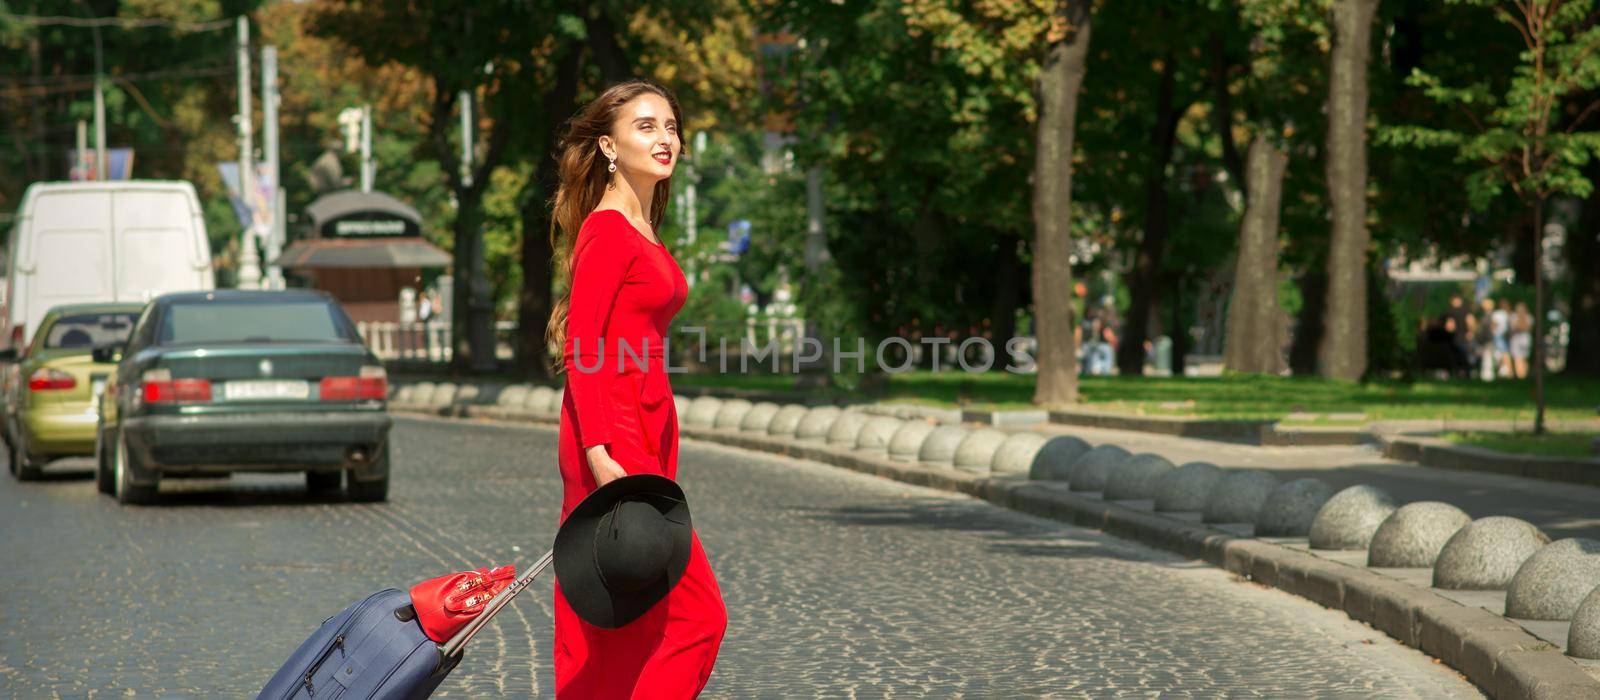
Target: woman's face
(644, 139)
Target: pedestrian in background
(615, 170)
(1460, 326)
(1521, 340)
(1500, 321)
(1483, 340)
(425, 307)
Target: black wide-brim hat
(578, 556)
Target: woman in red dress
(617, 412)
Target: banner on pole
(258, 209)
(119, 164)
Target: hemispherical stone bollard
(543, 400)
(730, 414)
(1290, 508)
(1583, 637)
(846, 428)
(976, 451)
(1136, 479)
(466, 394)
(513, 396)
(489, 394)
(443, 394)
(1238, 497)
(904, 411)
(875, 435)
(1093, 468)
(1412, 536)
(787, 420)
(940, 445)
(906, 442)
(681, 405)
(1188, 487)
(1485, 555)
(1554, 581)
(1055, 459)
(703, 411)
(1017, 453)
(405, 395)
(817, 422)
(1351, 518)
(424, 393)
(759, 417)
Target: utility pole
(269, 128)
(367, 170)
(815, 258)
(691, 225)
(466, 138)
(249, 261)
(480, 308)
(99, 107)
(78, 171)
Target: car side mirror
(107, 354)
(8, 355)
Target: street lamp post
(99, 97)
(249, 261)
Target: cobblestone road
(837, 585)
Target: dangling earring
(613, 167)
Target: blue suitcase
(376, 649)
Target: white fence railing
(391, 340)
(430, 342)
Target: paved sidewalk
(1561, 510)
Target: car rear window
(89, 330)
(252, 322)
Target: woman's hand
(603, 466)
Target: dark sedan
(232, 381)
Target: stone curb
(1250, 432)
(1496, 654)
(1441, 454)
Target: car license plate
(265, 389)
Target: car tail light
(372, 383)
(46, 379)
(160, 387)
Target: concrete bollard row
(1543, 580)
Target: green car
(52, 407)
(212, 383)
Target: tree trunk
(466, 332)
(1059, 80)
(1344, 339)
(1308, 327)
(1222, 113)
(1178, 328)
(1007, 281)
(1153, 244)
(1583, 260)
(1255, 320)
(1538, 353)
(535, 301)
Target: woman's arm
(601, 264)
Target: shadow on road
(1004, 532)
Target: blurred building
(364, 248)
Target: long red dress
(625, 291)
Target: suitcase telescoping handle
(453, 647)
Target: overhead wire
(120, 22)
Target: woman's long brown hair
(581, 169)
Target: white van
(112, 241)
